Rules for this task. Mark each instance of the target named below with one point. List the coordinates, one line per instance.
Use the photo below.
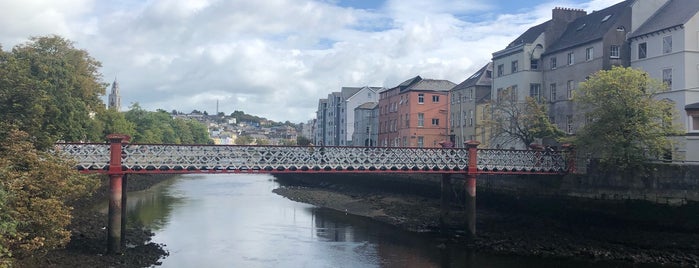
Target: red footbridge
(119, 158)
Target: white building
(667, 47)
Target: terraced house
(548, 61)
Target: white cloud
(270, 58)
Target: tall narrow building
(114, 98)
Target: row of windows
(666, 47)
(392, 125)
(393, 107)
(397, 142)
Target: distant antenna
(216, 106)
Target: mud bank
(510, 223)
(88, 242)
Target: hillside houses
(547, 62)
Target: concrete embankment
(514, 221)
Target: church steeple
(114, 98)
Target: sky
(275, 58)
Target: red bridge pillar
(471, 174)
(117, 197)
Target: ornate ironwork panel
(527, 161)
(166, 158)
(163, 158)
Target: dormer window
(606, 18)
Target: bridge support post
(471, 174)
(117, 181)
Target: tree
(303, 141)
(521, 122)
(243, 140)
(50, 90)
(625, 122)
(35, 187)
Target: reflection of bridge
(119, 158)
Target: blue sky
(275, 58)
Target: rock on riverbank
(559, 227)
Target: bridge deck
(162, 158)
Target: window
(407, 120)
(695, 123)
(571, 58)
(589, 53)
(435, 98)
(420, 141)
(535, 91)
(614, 52)
(470, 94)
(420, 120)
(513, 93)
(515, 66)
(405, 141)
(552, 91)
(667, 77)
(642, 50)
(470, 118)
(553, 63)
(501, 70)
(500, 94)
(435, 121)
(667, 44)
(570, 88)
(421, 98)
(569, 124)
(534, 65)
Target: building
(590, 43)
(366, 125)
(518, 68)
(114, 97)
(338, 114)
(469, 107)
(320, 130)
(666, 46)
(414, 113)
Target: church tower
(114, 98)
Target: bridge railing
(170, 158)
(238, 158)
(521, 161)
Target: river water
(236, 221)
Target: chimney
(561, 17)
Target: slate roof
(348, 92)
(590, 27)
(368, 105)
(477, 79)
(432, 85)
(693, 106)
(530, 35)
(673, 13)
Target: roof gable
(590, 27)
(673, 13)
(479, 78)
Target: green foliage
(244, 140)
(303, 141)
(522, 122)
(626, 124)
(50, 89)
(35, 187)
(160, 127)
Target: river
(236, 221)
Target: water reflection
(236, 221)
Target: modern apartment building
(366, 125)
(337, 112)
(415, 113)
(470, 109)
